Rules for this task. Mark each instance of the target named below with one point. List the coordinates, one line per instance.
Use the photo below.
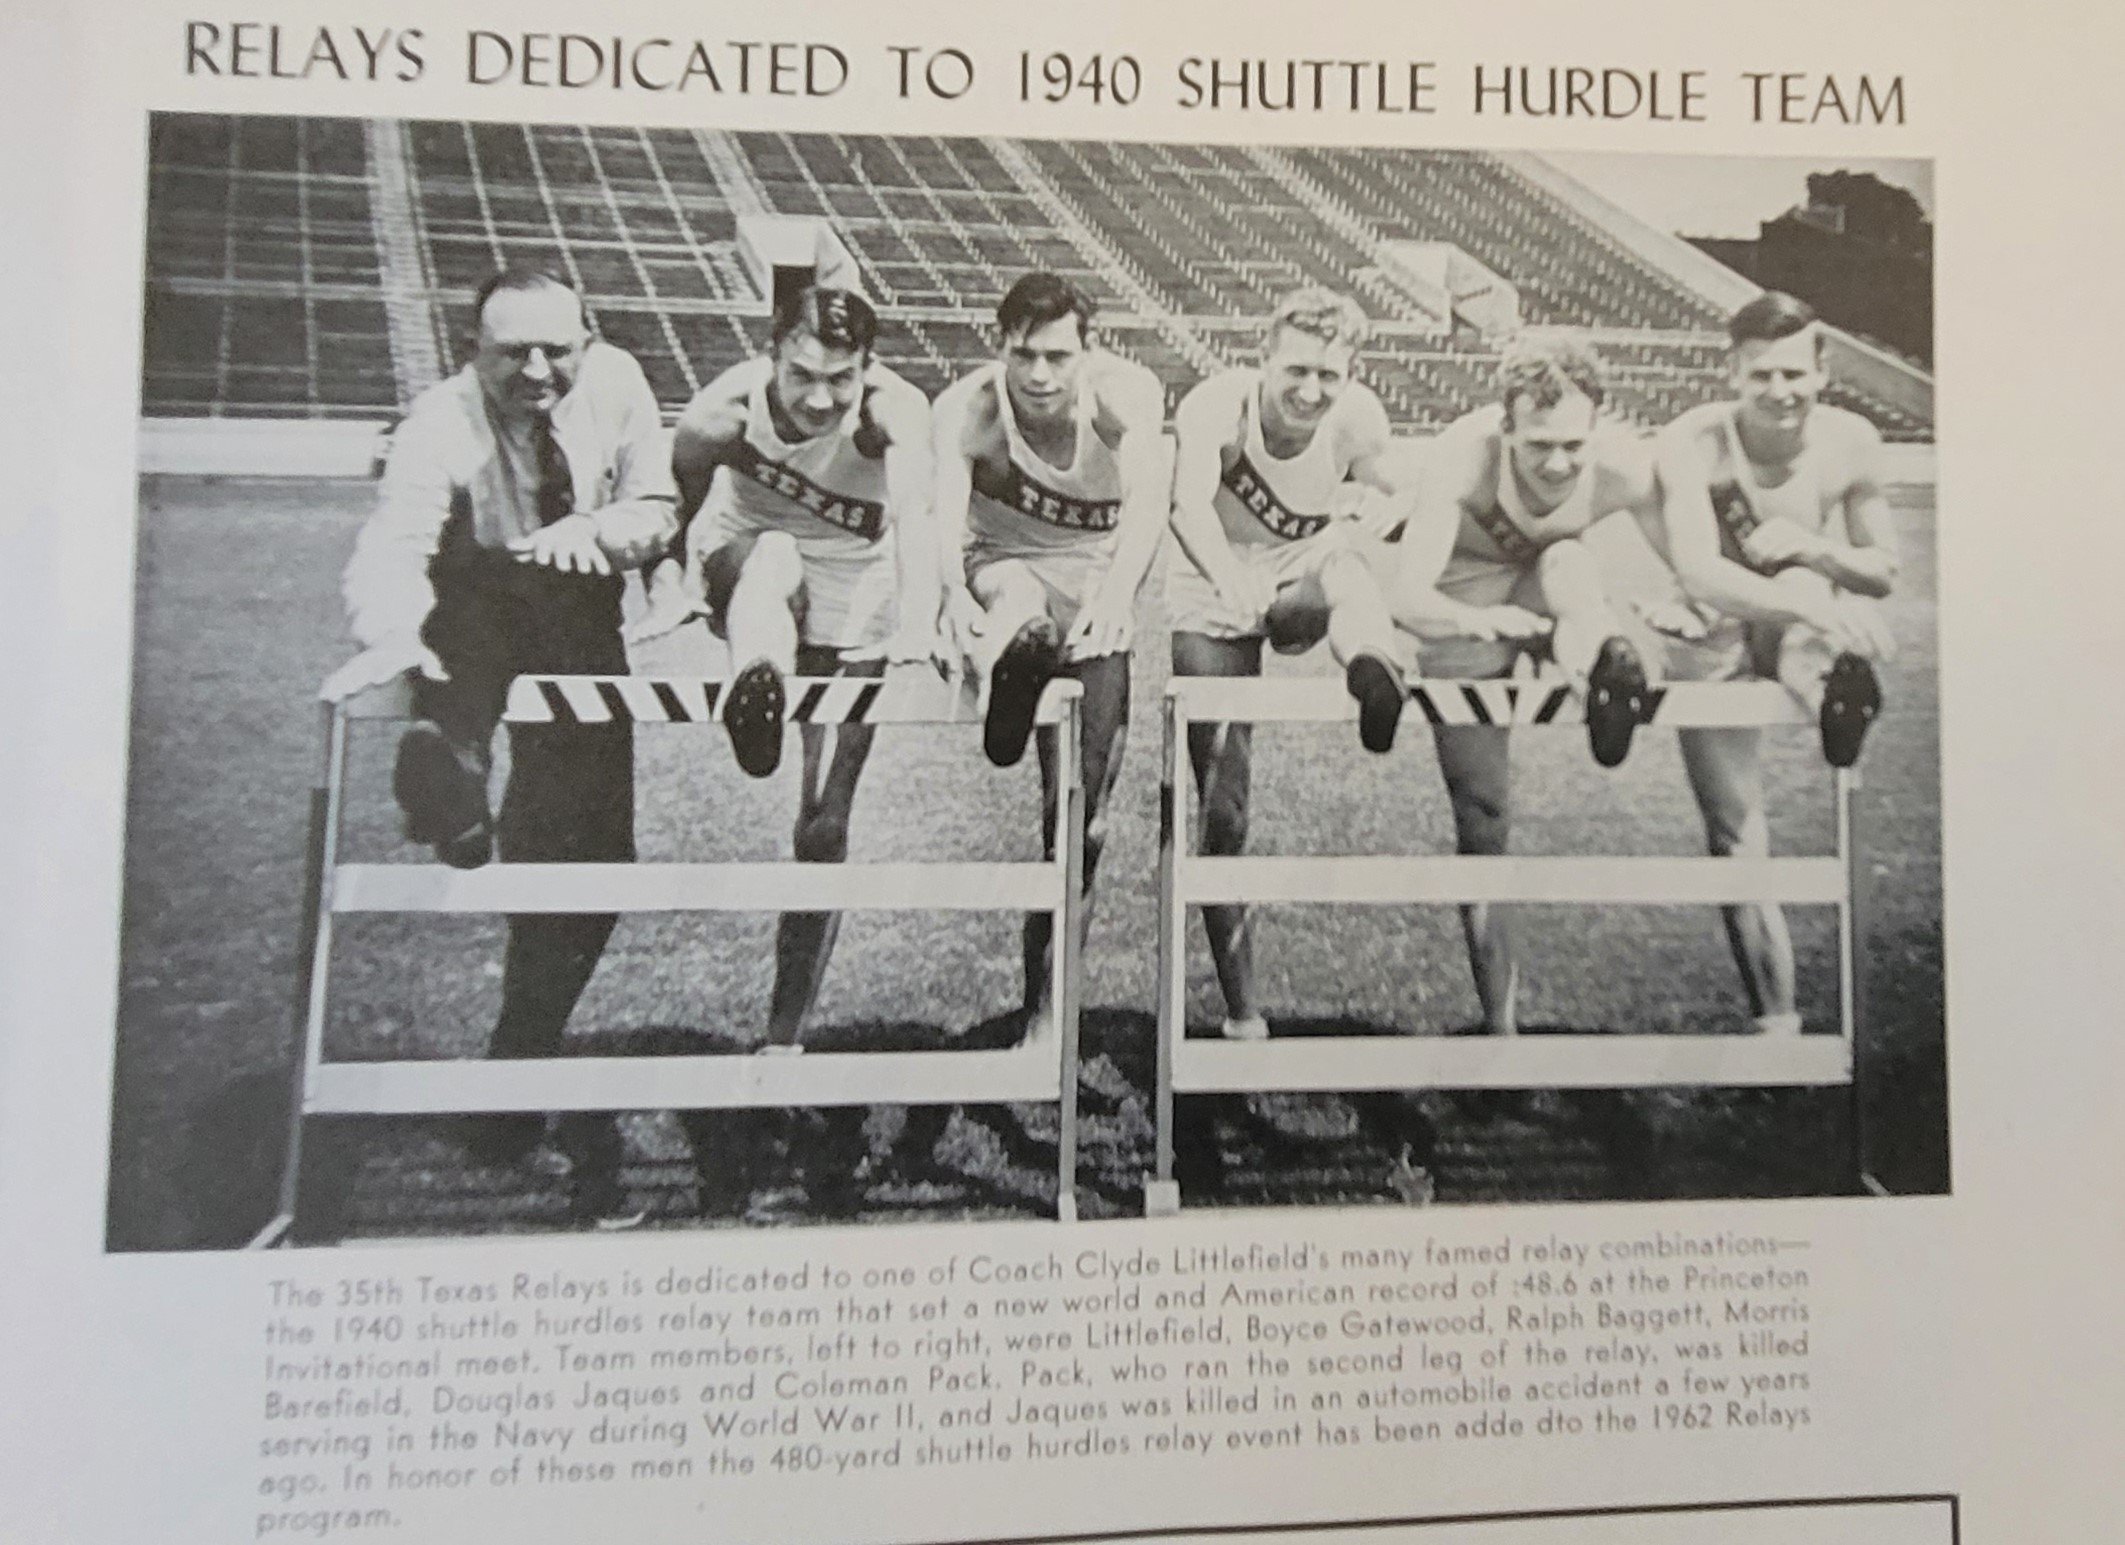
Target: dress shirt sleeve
(386, 586)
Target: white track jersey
(823, 491)
(1263, 500)
(1503, 539)
(1742, 502)
(1032, 507)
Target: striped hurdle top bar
(908, 697)
(911, 696)
(1316, 699)
(914, 696)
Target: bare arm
(1390, 473)
(1205, 419)
(1865, 561)
(905, 417)
(1145, 457)
(1635, 486)
(706, 434)
(952, 488)
(1684, 464)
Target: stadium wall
(1878, 373)
(233, 447)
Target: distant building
(1860, 251)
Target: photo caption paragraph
(381, 1390)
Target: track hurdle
(1042, 1069)
(1592, 1061)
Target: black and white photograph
(693, 678)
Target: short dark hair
(1769, 317)
(1545, 368)
(840, 319)
(514, 278)
(1041, 298)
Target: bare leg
(1011, 597)
(1473, 759)
(1726, 775)
(1358, 620)
(1361, 635)
(761, 619)
(1841, 689)
(1577, 597)
(1106, 732)
(1592, 649)
(1222, 755)
(804, 940)
(1021, 652)
(1804, 653)
(756, 588)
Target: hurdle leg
(1162, 1193)
(313, 953)
(1852, 987)
(1067, 990)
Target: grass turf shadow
(423, 1176)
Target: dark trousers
(571, 788)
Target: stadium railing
(1042, 1069)
(1594, 1060)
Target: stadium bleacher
(264, 293)
(278, 249)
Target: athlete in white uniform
(1776, 523)
(1271, 467)
(1053, 478)
(1492, 567)
(817, 557)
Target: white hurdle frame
(1317, 1064)
(1043, 1069)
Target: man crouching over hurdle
(1267, 460)
(514, 494)
(1776, 523)
(1053, 480)
(1492, 567)
(814, 462)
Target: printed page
(1218, 773)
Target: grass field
(238, 619)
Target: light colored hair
(1545, 368)
(1318, 312)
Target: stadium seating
(264, 297)
(266, 280)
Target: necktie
(556, 488)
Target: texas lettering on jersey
(1246, 485)
(1515, 545)
(864, 517)
(1030, 497)
(1731, 505)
